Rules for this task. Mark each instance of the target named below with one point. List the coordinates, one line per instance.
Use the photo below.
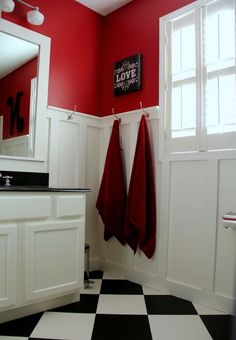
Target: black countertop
(38, 188)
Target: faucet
(7, 179)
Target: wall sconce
(34, 17)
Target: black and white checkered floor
(117, 309)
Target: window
(199, 99)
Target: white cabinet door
(8, 265)
(54, 258)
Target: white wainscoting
(198, 253)
(195, 256)
(113, 255)
(74, 161)
(187, 215)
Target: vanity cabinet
(8, 264)
(41, 246)
(53, 259)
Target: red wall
(75, 33)
(85, 46)
(17, 81)
(134, 29)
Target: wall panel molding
(189, 256)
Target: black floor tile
(20, 327)
(167, 305)
(96, 274)
(120, 287)
(219, 326)
(121, 327)
(87, 304)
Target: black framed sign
(127, 75)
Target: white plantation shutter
(219, 60)
(200, 94)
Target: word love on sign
(127, 75)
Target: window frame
(201, 142)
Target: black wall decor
(15, 113)
(127, 75)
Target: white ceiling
(14, 52)
(104, 7)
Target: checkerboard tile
(120, 287)
(178, 327)
(113, 308)
(117, 327)
(22, 327)
(219, 326)
(122, 304)
(87, 304)
(168, 304)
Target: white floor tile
(204, 310)
(178, 327)
(71, 326)
(121, 304)
(151, 291)
(94, 288)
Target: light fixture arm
(26, 4)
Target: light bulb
(35, 17)
(7, 5)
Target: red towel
(112, 196)
(140, 224)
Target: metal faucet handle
(7, 180)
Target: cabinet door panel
(70, 205)
(21, 207)
(54, 258)
(8, 265)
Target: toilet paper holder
(229, 220)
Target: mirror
(18, 85)
(24, 69)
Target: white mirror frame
(15, 163)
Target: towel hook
(71, 113)
(141, 107)
(113, 112)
